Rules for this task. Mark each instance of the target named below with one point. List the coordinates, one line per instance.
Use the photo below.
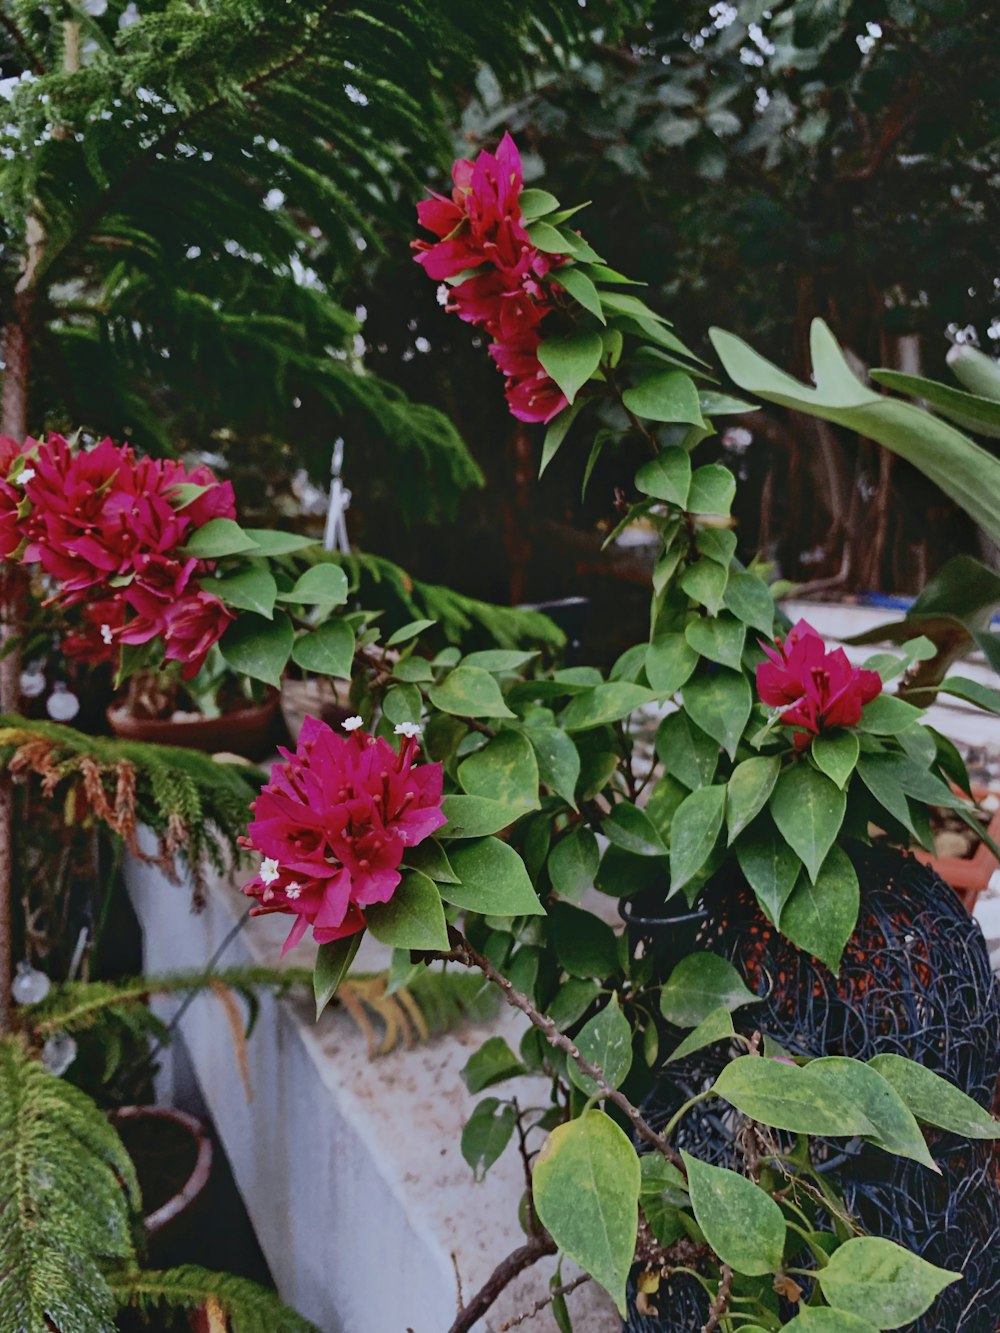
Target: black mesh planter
(915, 978)
(681, 1306)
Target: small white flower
(407, 729)
(24, 476)
(269, 870)
(352, 723)
(293, 890)
(442, 294)
(106, 634)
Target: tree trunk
(13, 422)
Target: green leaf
(402, 703)
(719, 638)
(888, 716)
(498, 660)
(408, 631)
(934, 1100)
(662, 1195)
(217, 538)
(770, 865)
(320, 585)
(557, 431)
(743, 1224)
(333, 962)
(686, 752)
(570, 359)
(585, 945)
(536, 203)
(486, 1134)
(715, 1026)
(667, 476)
(820, 917)
(492, 1063)
(715, 404)
(494, 881)
(896, 1128)
(581, 289)
(972, 692)
(749, 787)
(573, 864)
(257, 647)
(547, 239)
(786, 1097)
(504, 770)
(413, 918)
(432, 859)
(249, 590)
(606, 1041)
(836, 755)
(809, 811)
(586, 1193)
(720, 704)
(967, 473)
(878, 1280)
(558, 761)
(670, 660)
(632, 829)
(713, 489)
(278, 543)
(705, 582)
(667, 395)
(603, 704)
(474, 816)
(700, 984)
(329, 650)
(969, 410)
(821, 1319)
(749, 598)
(469, 691)
(693, 833)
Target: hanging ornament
(62, 705)
(32, 682)
(58, 1053)
(30, 986)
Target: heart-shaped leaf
(876, 1279)
(570, 359)
(809, 810)
(698, 986)
(413, 918)
(741, 1222)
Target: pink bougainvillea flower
(332, 825)
(97, 513)
(11, 533)
(816, 689)
(481, 232)
(94, 640)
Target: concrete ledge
(350, 1169)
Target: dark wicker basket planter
(915, 980)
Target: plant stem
(721, 1302)
(464, 953)
(501, 1277)
(544, 1303)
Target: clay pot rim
(968, 875)
(243, 715)
(198, 1179)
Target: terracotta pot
(252, 732)
(969, 875)
(172, 1154)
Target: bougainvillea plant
(473, 804)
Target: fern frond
(239, 1306)
(431, 1004)
(68, 1197)
(196, 806)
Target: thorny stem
(501, 1278)
(720, 1304)
(463, 952)
(544, 1303)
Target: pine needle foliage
(196, 806)
(232, 1304)
(458, 616)
(68, 1197)
(427, 1006)
(199, 185)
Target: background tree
(761, 163)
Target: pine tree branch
(134, 172)
(19, 39)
